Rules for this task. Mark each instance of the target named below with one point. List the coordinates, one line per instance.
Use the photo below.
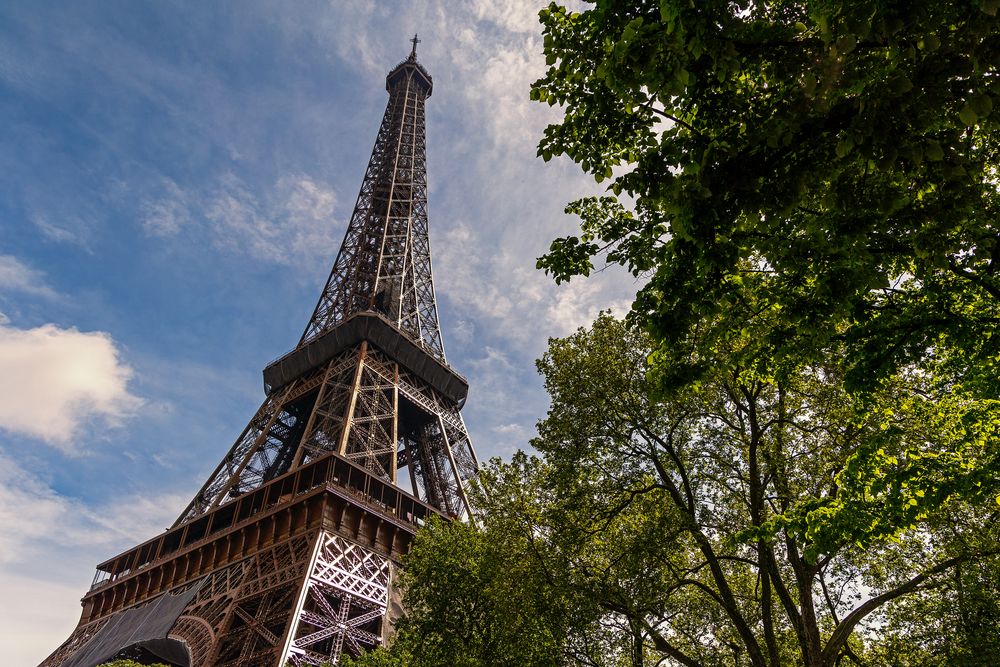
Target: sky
(175, 181)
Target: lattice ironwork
(384, 401)
(215, 623)
(255, 628)
(384, 264)
(343, 605)
(393, 421)
(265, 448)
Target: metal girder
(384, 264)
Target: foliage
(952, 625)
(660, 529)
(128, 663)
(810, 179)
(473, 600)
(840, 154)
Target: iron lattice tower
(287, 552)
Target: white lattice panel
(343, 605)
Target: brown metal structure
(287, 553)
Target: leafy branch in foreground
(840, 154)
(809, 181)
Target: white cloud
(577, 304)
(62, 233)
(35, 520)
(512, 15)
(50, 547)
(16, 276)
(462, 330)
(512, 428)
(305, 210)
(497, 78)
(55, 382)
(293, 224)
(504, 288)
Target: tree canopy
(795, 180)
(661, 529)
(839, 156)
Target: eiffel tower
(287, 554)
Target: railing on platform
(364, 488)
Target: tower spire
(284, 555)
(413, 53)
(384, 264)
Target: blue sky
(175, 180)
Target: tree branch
(844, 629)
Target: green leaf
(933, 151)
(982, 105)
(846, 44)
(968, 115)
(844, 147)
(900, 84)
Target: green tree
(728, 465)
(808, 178)
(668, 523)
(661, 529)
(842, 154)
(953, 624)
(476, 598)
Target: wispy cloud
(501, 287)
(167, 214)
(33, 516)
(71, 231)
(16, 276)
(290, 224)
(55, 382)
(516, 16)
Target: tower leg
(344, 605)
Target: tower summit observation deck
(287, 553)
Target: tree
(476, 598)
(843, 152)
(809, 178)
(660, 528)
(732, 460)
(953, 624)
